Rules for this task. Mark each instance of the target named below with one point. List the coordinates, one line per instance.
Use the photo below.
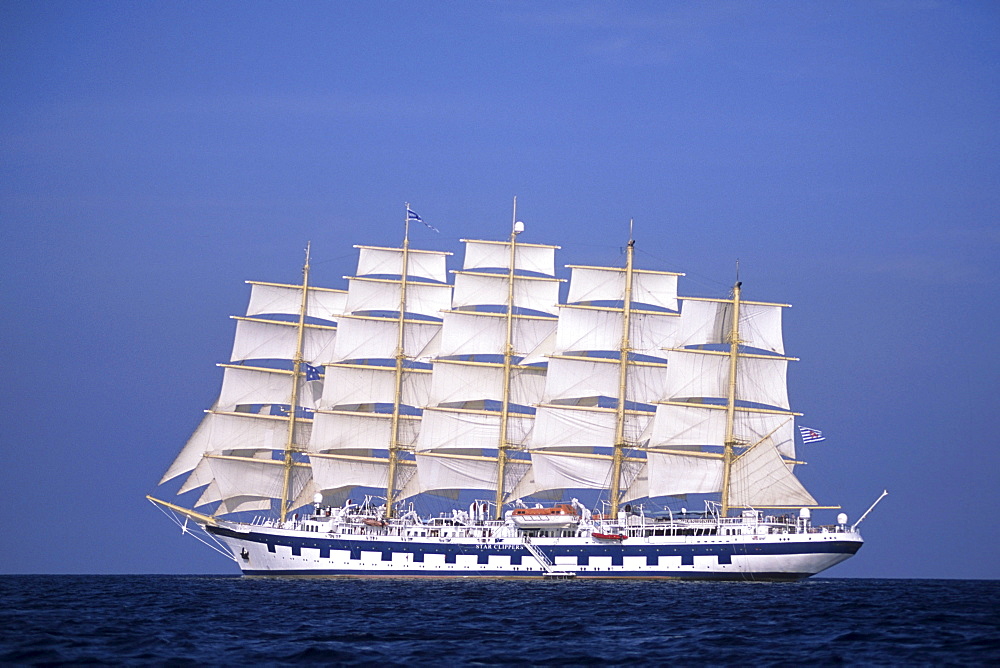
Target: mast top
(406, 228)
(516, 225)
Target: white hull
(275, 551)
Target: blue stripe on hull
(531, 575)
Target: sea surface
(153, 619)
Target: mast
(730, 443)
(379, 378)
(394, 446)
(508, 354)
(294, 399)
(619, 445)
(489, 369)
(714, 355)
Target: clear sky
(155, 155)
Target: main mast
(618, 453)
(289, 462)
(508, 354)
(730, 442)
(394, 445)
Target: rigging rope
(218, 547)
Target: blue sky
(153, 156)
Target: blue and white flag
(412, 215)
(811, 435)
(312, 372)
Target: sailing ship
(344, 415)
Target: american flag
(312, 372)
(810, 435)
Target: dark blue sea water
(150, 619)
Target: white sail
(554, 470)
(560, 427)
(761, 477)
(237, 433)
(253, 385)
(447, 429)
(679, 426)
(537, 259)
(257, 340)
(351, 384)
(583, 328)
(275, 298)
(579, 377)
(420, 264)
(578, 424)
(370, 426)
(349, 471)
(468, 333)
(192, 452)
(456, 382)
(760, 327)
(709, 322)
(374, 295)
(261, 479)
(700, 374)
(379, 377)
(232, 504)
(377, 337)
(530, 293)
(675, 475)
(607, 284)
(481, 396)
(237, 453)
(692, 424)
(437, 473)
(199, 476)
(377, 286)
(626, 387)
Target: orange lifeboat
(560, 516)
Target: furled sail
(237, 454)
(369, 415)
(490, 370)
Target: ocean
(218, 620)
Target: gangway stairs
(551, 572)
